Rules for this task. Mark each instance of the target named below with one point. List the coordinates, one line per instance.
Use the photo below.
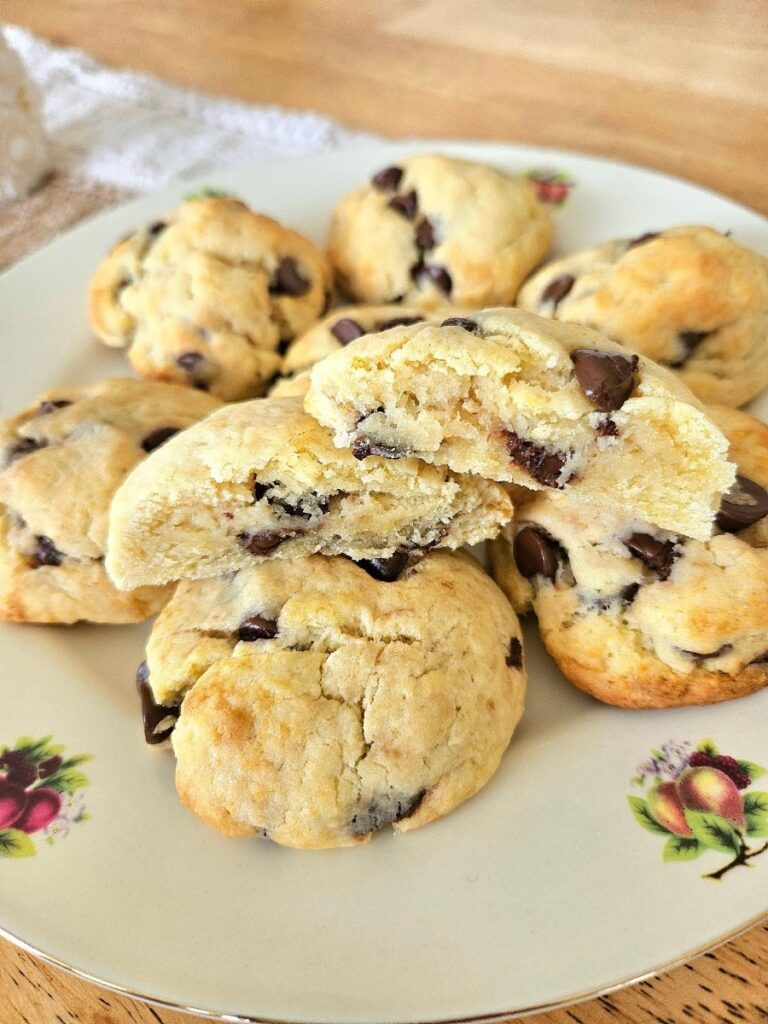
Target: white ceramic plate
(539, 891)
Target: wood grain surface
(679, 86)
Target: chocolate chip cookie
(322, 704)
(207, 296)
(514, 397)
(434, 229)
(641, 617)
(61, 461)
(338, 329)
(689, 297)
(262, 479)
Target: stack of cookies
(326, 661)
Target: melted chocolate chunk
(690, 340)
(189, 360)
(364, 447)
(398, 321)
(265, 491)
(156, 228)
(514, 658)
(605, 378)
(385, 809)
(461, 321)
(710, 654)
(264, 542)
(657, 555)
(557, 289)
(388, 179)
(536, 553)
(406, 205)
(46, 552)
(607, 429)
(439, 276)
(155, 716)
(628, 594)
(545, 467)
(762, 659)
(255, 627)
(642, 239)
(288, 279)
(158, 437)
(346, 330)
(47, 407)
(24, 447)
(744, 504)
(386, 570)
(425, 235)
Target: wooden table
(678, 86)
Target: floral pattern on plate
(551, 186)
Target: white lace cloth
(128, 129)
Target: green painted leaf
(36, 751)
(66, 780)
(756, 810)
(713, 831)
(72, 762)
(643, 816)
(708, 747)
(754, 771)
(681, 848)
(207, 193)
(15, 843)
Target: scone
(689, 297)
(262, 479)
(435, 229)
(61, 461)
(514, 397)
(640, 617)
(207, 296)
(338, 329)
(321, 705)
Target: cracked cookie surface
(321, 705)
(207, 296)
(434, 229)
(262, 479)
(640, 617)
(689, 297)
(514, 397)
(61, 462)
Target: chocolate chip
(288, 279)
(346, 330)
(47, 407)
(388, 179)
(439, 276)
(297, 510)
(406, 205)
(264, 542)
(189, 360)
(386, 570)
(544, 466)
(24, 447)
(628, 594)
(536, 553)
(762, 659)
(398, 321)
(710, 654)
(744, 504)
(425, 235)
(605, 378)
(690, 340)
(642, 239)
(514, 658)
(607, 428)
(259, 490)
(46, 552)
(557, 289)
(255, 627)
(461, 321)
(154, 715)
(156, 228)
(658, 555)
(384, 810)
(158, 437)
(364, 447)
(282, 346)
